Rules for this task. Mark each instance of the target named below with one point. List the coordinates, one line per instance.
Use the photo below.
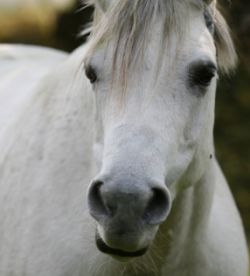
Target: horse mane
(132, 19)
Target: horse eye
(201, 74)
(90, 74)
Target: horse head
(153, 67)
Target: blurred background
(57, 23)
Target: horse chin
(118, 254)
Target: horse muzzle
(128, 214)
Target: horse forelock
(133, 20)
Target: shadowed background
(57, 23)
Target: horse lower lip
(101, 245)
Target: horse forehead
(196, 39)
(119, 23)
(193, 36)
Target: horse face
(150, 140)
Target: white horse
(140, 123)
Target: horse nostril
(158, 207)
(95, 201)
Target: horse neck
(67, 97)
(69, 109)
(188, 222)
(57, 124)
